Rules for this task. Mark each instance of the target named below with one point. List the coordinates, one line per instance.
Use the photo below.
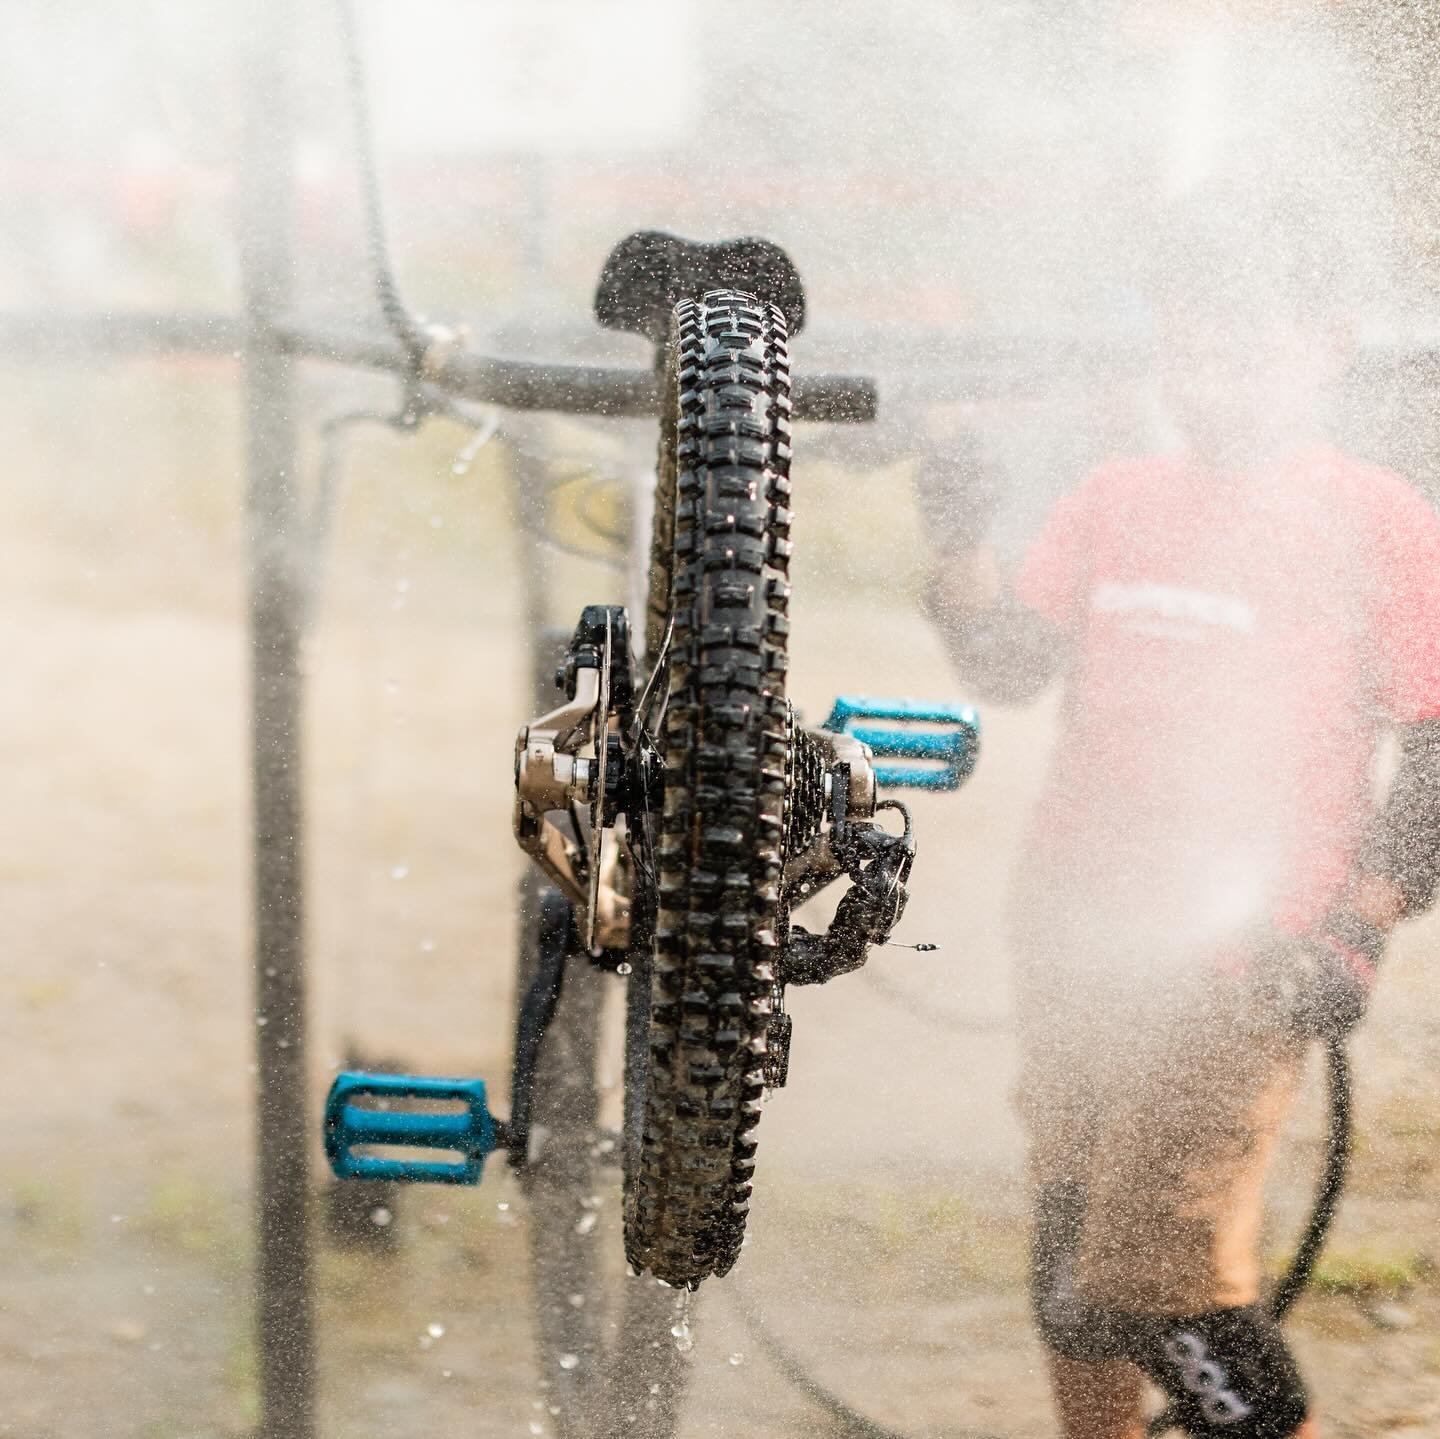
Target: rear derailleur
(588, 774)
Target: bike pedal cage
(939, 740)
(471, 1132)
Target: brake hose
(401, 322)
(1287, 1291)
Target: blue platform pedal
(471, 1132)
(941, 755)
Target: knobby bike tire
(719, 585)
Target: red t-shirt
(1237, 644)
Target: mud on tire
(718, 579)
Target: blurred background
(970, 193)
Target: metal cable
(851, 1421)
(401, 322)
(955, 1024)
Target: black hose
(1287, 1291)
(850, 1421)
(1332, 1181)
(969, 1024)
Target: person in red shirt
(1208, 880)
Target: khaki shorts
(1166, 1113)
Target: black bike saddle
(648, 273)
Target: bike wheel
(718, 586)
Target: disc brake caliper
(552, 773)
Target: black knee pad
(1068, 1326)
(1228, 1374)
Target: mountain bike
(678, 811)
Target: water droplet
(536, 1427)
(736, 1360)
(427, 946)
(380, 1216)
(282, 1044)
(503, 1206)
(678, 1329)
(271, 971)
(447, 1373)
(606, 1146)
(399, 871)
(262, 1020)
(624, 967)
(569, 1361)
(435, 1331)
(586, 1223)
(577, 1301)
(552, 1409)
(116, 1218)
(654, 1388)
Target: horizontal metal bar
(511, 384)
(917, 368)
(66, 335)
(572, 389)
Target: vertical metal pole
(285, 1336)
(566, 1106)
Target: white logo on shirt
(1170, 602)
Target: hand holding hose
(1319, 983)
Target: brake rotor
(600, 730)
